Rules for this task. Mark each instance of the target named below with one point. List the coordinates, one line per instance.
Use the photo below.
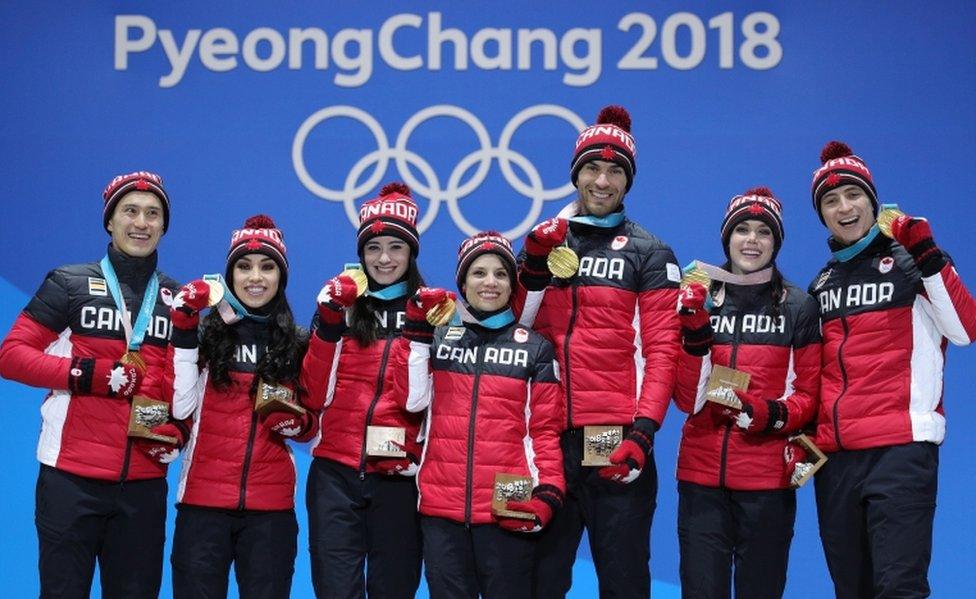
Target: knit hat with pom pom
(394, 213)
(841, 167)
(259, 235)
(609, 139)
(756, 204)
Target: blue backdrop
(303, 110)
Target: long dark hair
(776, 285)
(281, 363)
(363, 326)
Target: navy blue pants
(481, 560)
(359, 525)
(121, 525)
(617, 518)
(261, 545)
(875, 508)
(719, 529)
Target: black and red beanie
(394, 213)
(137, 181)
(259, 235)
(479, 244)
(760, 204)
(609, 139)
(841, 167)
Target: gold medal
(693, 274)
(563, 262)
(441, 314)
(889, 213)
(133, 358)
(357, 275)
(216, 293)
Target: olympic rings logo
(431, 188)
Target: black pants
(261, 545)
(483, 559)
(80, 520)
(358, 524)
(617, 518)
(875, 508)
(720, 528)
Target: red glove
(285, 424)
(164, 453)
(403, 466)
(761, 416)
(537, 507)
(416, 327)
(627, 461)
(696, 329)
(103, 377)
(915, 235)
(336, 295)
(545, 236)
(793, 454)
(184, 312)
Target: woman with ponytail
(364, 535)
(236, 492)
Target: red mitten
(161, 452)
(545, 236)
(761, 416)
(416, 327)
(628, 459)
(915, 235)
(184, 312)
(285, 424)
(403, 466)
(537, 507)
(696, 329)
(103, 377)
(336, 295)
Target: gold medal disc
(442, 313)
(133, 358)
(888, 215)
(357, 275)
(563, 262)
(695, 275)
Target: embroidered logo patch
(97, 286)
(454, 333)
(619, 242)
(521, 335)
(886, 264)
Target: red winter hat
(258, 236)
(137, 181)
(394, 213)
(486, 242)
(841, 167)
(609, 139)
(760, 204)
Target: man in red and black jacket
(615, 329)
(96, 335)
(888, 305)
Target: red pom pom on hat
(760, 191)
(614, 115)
(395, 187)
(834, 149)
(259, 221)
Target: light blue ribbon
(240, 311)
(607, 222)
(390, 292)
(849, 252)
(145, 311)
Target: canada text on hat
(137, 181)
(394, 213)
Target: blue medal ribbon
(496, 321)
(849, 252)
(231, 301)
(606, 222)
(134, 342)
(390, 292)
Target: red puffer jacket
(73, 315)
(781, 352)
(885, 329)
(352, 382)
(614, 326)
(233, 461)
(495, 407)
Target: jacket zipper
(566, 371)
(469, 483)
(736, 338)
(372, 405)
(247, 459)
(125, 461)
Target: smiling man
(615, 328)
(96, 335)
(887, 305)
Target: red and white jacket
(232, 460)
(614, 326)
(780, 349)
(885, 329)
(73, 315)
(351, 384)
(494, 407)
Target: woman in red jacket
(237, 487)
(494, 408)
(362, 508)
(736, 507)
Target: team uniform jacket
(494, 406)
(73, 315)
(232, 461)
(614, 326)
(352, 382)
(781, 352)
(885, 329)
